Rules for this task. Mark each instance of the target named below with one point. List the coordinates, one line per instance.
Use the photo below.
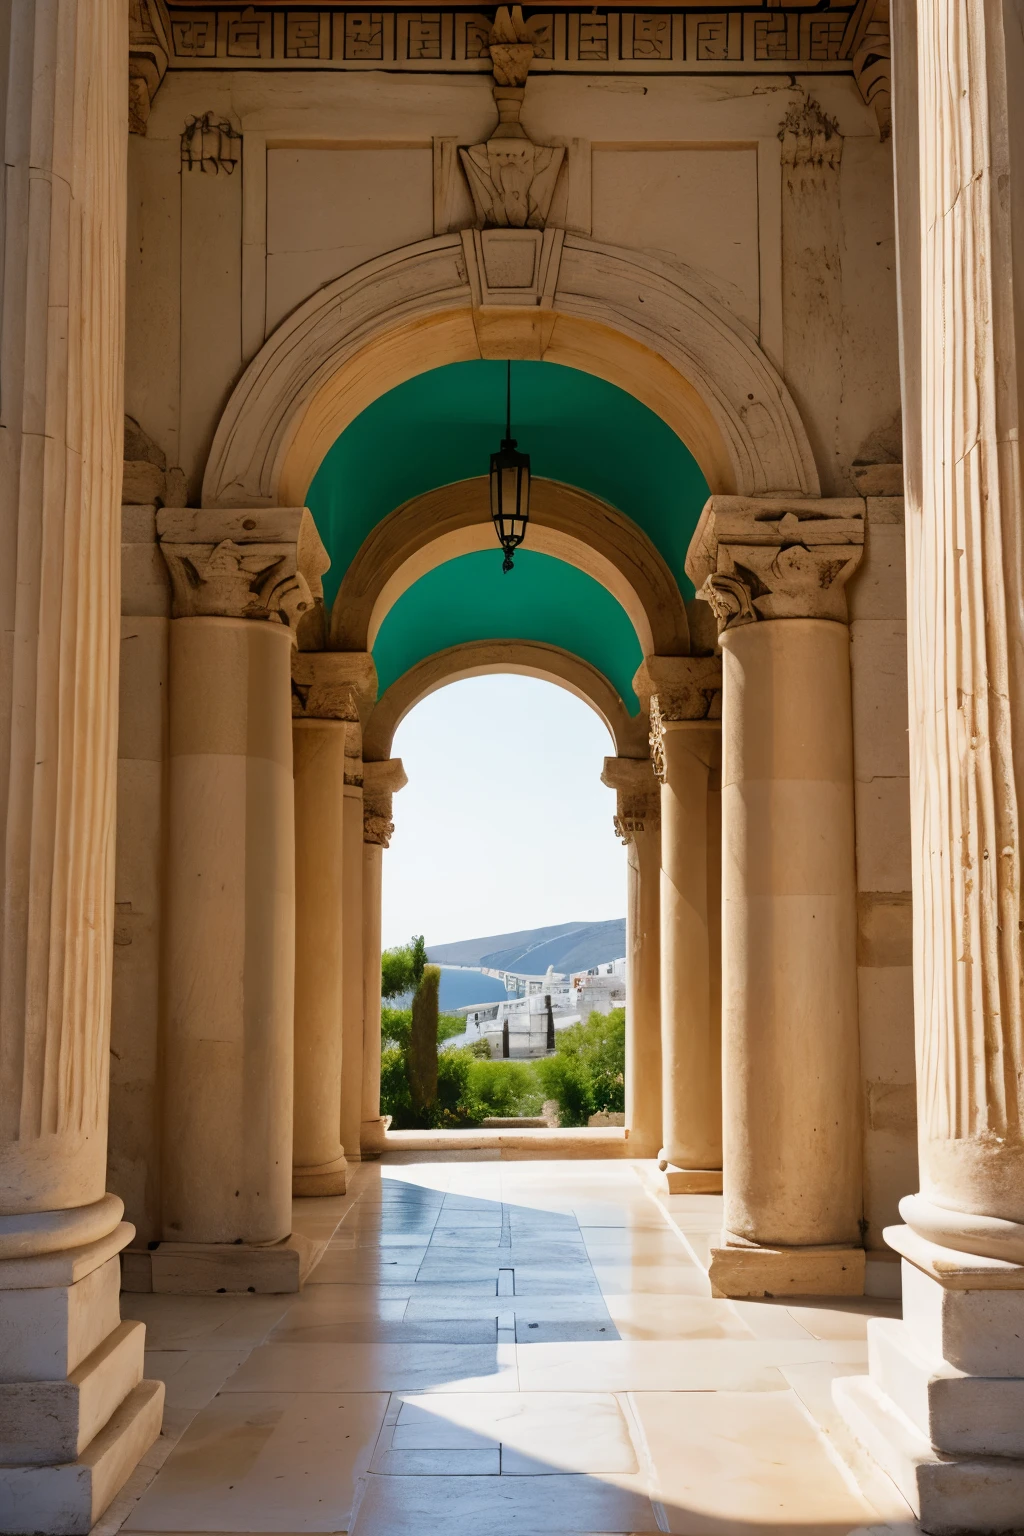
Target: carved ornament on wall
(213, 146)
(264, 564)
(511, 179)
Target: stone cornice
(237, 563)
(776, 557)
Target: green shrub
(505, 1088)
(588, 1070)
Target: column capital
(237, 563)
(638, 795)
(776, 557)
(381, 781)
(333, 685)
(678, 689)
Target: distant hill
(565, 946)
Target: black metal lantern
(510, 488)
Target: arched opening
(504, 858)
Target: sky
(504, 823)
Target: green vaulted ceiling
(471, 598)
(442, 427)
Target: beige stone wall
(336, 170)
(878, 654)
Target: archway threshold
(584, 1142)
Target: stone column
(380, 783)
(638, 824)
(683, 694)
(774, 571)
(327, 687)
(75, 1413)
(943, 1409)
(241, 581)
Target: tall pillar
(638, 824)
(327, 688)
(75, 1413)
(352, 961)
(241, 581)
(684, 697)
(943, 1409)
(775, 571)
(380, 782)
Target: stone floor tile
(513, 1506)
(192, 1376)
(378, 1368)
(682, 1279)
(203, 1322)
(688, 1365)
(257, 1462)
(738, 1463)
(836, 1318)
(648, 1316)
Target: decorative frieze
(267, 563)
(757, 37)
(776, 557)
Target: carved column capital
(638, 796)
(677, 689)
(333, 685)
(776, 557)
(234, 563)
(149, 48)
(381, 781)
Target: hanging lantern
(510, 487)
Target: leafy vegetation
(586, 1074)
(401, 969)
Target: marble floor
(492, 1347)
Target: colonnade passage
(775, 537)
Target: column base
(68, 1499)
(942, 1411)
(812, 1271)
(672, 1180)
(371, 1135)
(216, 1269)
(951, 1496)
(321, 1179)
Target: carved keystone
(267, 563)
(776, 557)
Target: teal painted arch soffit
(541, 599)
(443, 425)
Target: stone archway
(480, 658)
(651, 327)
(567, 523)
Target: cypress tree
(423, 1042)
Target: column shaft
(352, 970)
(371, 1133)
(643, 1005)
(691, 1028)
(319, 1166)
(943, 1410)
(230, 934)
(792, 1144)
(64, 1353)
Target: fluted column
(775, 570)
(380, 782)
(955, 1366)
(242, 581)
(684, 696)
(71, 1387)
(327, 689)
(638, 824)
